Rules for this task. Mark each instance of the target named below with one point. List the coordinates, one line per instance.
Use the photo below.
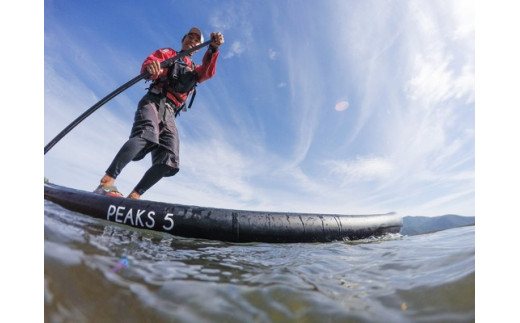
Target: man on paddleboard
(154, 130)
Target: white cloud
(221, 22)
(362, 169)
(272, 54)
(464, 85)
(236, 49)
(234, 18)
(219, 164)
(434, 81)
(464, 16)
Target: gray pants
(154, 131)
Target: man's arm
(209, 62)
(152, 63)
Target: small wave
(385, 237)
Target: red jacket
(204, 71)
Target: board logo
(138, 218)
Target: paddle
(164, 64)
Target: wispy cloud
(272, 54)
(233, 17)
(362, 169)
(434, 81)
(236, 49)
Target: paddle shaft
(164, 64)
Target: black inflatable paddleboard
(224, 224)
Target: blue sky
(317, 106)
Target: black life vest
(180, 78)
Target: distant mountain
(413, 225)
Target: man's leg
(146, 125)
(127, 152)
(150, 178)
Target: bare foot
(134, 195)
(107, 187)
(107, 181)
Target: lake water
(97, 271)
